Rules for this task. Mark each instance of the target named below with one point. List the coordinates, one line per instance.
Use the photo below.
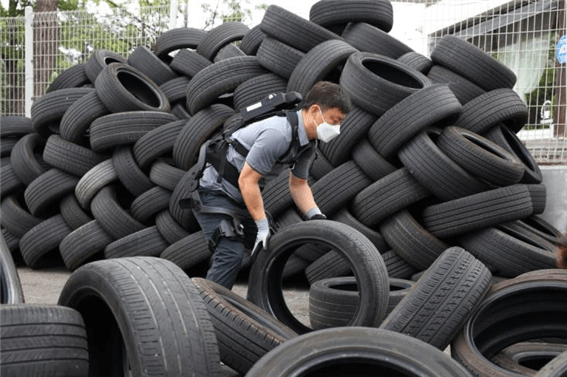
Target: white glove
(262, 236)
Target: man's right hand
(262, 237)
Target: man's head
(325, 105)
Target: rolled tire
(555, 368)
(174, 89)
(257, 89)
(147, 205)
(45, 191)
(349, 349)
(72, 212)
(344, 216)
(165, 175)
(371, 39)
(416, 61)
(134, 179)
(94, 180)
(252, 40)
(99, 60)
(463, 89)
(43, 341)
(73, 77)
(147, 242)
(42, 239)
(453, 288)
(77, 120)
(9, 181)
(189, 63)
(151, 65)
(370, 161)
(278, 57)
(157, 142)
(152, 312)
(244, 331)
(220, 36)
(365, 260)
(336, 12)
(16, 218)
(26, 159)
(169, 228)
(11, 291)
(16, 126)
(83, 245)
(376, 83)
(188, 251)
(178, 39)
(528, 358)
(70, 157)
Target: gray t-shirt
(267, 141)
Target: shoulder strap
(292, 152)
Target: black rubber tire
(480, 156)
(220, 36)
(330, 265)
(337, 188)
(471, 62)
(474, 212)
(555, 368)
(70, 157)
(26, 158)
(252, 40)
(376, 83)
(47, 110)
(188, 251)
(152, 314)
(15, 218)
(95, 179)
(147, 242)
(543, 229)
(344, 216)
(278, 57)
(530, 306)
(42, 239)
(73, 77)
(257, 89)
(228, 51)
(184, 216)
(157, 142)
(43, 341)
(174, 89)
(169, 228)
(125, 128)
(197, 131)
(356, 352)
(124, 88)
(143, 59)
(83, 245)
(180, 112)
(320, 63)
(77, 120)
(16, 126)
(365, 260)
(453, 287)
(244, 331)
(72, 212)
(507, 252)
(129, 173)
(527, 358)
(386, 196)
(434, 105)
(147, 205)
(220, 78)
(114, 219)
(411, 241)
(417, 61)
(178, 39)
(44, 193)
(189, 63)
(435, 170)
(508, 140)
(492, 108)
(293, 30)
(330, 13)
(11, 291)
(538, 192)
(464, 90)
(9, 181)
(371, 39)
(99, 60)
(370, 161)
(6, 145)
(353, 129)
(165, 175)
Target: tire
(169, 228)
(293, 30)
(370, 161)
(124, 88)
(376, 83)
(178, 39)
(220, 78)
(386, 196)
(535, 297)
(463, 89)
(38, 243)
(411, 241)
(335, 12)
(244, 331)
(73, 77)
(320, 63)
(469, 61)
(25, 158)
(371, 39)
(365, 260)
(83, 245)
(99, 60)
(15, 218)
(94, 180)
(344, 216)
(70, 157)
(330, 265)
(77, 120)
(16, 126)
(165, 175)
(257, 89)
(43, 341)
(47, 111)
(6, 145)
(146, 206)
(252, 40)
(44, 193)
(221, 36)
(9, 181)
(443, 177)
(11, 291)
(508, 253)
(147, 242)
(149, 64)
(555, 368)
(129, 173)
(483, 210)
(189, 63)
(278, 57)
(356, 352)
(417, 61)
(152, 312)
(174, 89)
(543, 229)
(184, 216)
(157, 142)
(492, 108)
(480, 156)
(353, 129)
(434, 105)
(125, 128)
(188, 251)
(538, 192)
(508, 140)
(453, 288)
(527, 358)
(72, 212)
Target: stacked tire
(427, 180)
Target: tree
(228, 11)
(45, 41)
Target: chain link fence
(526, 35)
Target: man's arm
(248, 182)
(301, 194)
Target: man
(260, 152)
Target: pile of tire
(431, 193)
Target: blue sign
(561, 50)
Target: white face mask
(327, 132)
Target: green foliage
(223, 11)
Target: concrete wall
(555, 180)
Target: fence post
(28, 61)
(173, 7)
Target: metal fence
(526, 35)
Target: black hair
(327, 95)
